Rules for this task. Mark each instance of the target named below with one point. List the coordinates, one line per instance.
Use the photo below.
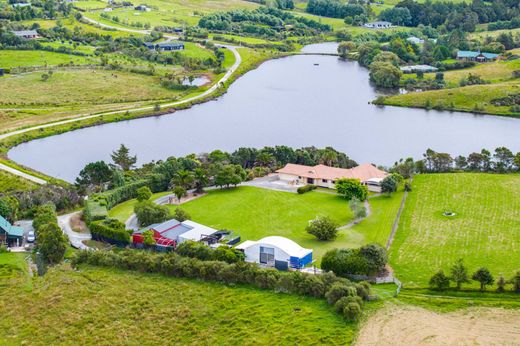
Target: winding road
(216, 86)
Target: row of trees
(51, 243)
(336, 9)
(347, 297)
(459, 275)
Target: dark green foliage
(94, 211)
(94, 176)
(149, 213)
(391, 183)
(515, 280)
(45, 214)
(303, 189)
(339, 290)
(501, 284)
(367, 260)
(439, 281)
(459, 273)
(323, 228)
(181, 215)
(350, 188)
(52, 243)
(484, 277)
(334, 8)
(109, 230)
(385, 74)
(143, 193)
(9, 207)
(205, 253)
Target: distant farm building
(476, 56)
(143, 8)
(325, 176)
(9, 234)
(378, 25)
(415, 40)
(278, 252)
(27, 34)
(418, 68)
(172, 232)
(164, 46)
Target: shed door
(266, 254)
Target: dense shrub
(303, 189)
(94, 210)
(205, 253)
(323, 228)
(52, 243)
(110, 230)
(149, 213)
(350, 188)
(367, 260)
(143, 193)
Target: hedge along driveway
(255, 213)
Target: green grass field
(484, 232)
(14, 269)
(110, 307)
(474, 98)
(17, 58)
(255, 213)
(124, 210)
(10, 183)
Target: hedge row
(110, 230)
(306, 188)
(120, 194)
(94, 211)
(345, 295)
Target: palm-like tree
(182, 178)
(201, 179)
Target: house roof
(362, 172)
(424, 68)
(169, 44)
(196, 231)
(10, 229)
(173, 230)
(472, 54)
(415, 40)
(284, 244)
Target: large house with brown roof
(326, 176)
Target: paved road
(231, 70)
(75, 238)
(22, 174)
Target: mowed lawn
(17, 58)
(484, 232)
(100, 306)
(255, 213)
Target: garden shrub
(367, 260)
(303, 189)
(110, 230)
(94, 210)
(205, 253)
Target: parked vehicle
(31, 237)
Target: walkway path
(216, 86)
(76, 239)
(359, 219)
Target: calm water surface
(289, 101)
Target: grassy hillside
(17, 58)
(109, 307)
(484, 232)
(475, 98)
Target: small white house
(378, 25)
(278, 252)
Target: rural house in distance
(476, 56)
(325, 176)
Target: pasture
(10, 183)
(484, 232)
(24, 58)
(103, 306)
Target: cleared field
(10, 182)
(14, 268)
(72, 24)
(409, 325)
(484, 232)
(109, 307)
(90, 4)
(170, 12)
(475, 98)
(61, 95)
(18, 58)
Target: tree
(389, 185)
(344, 47)
(385, 75)
(501, 284)
(323, 228)
(201, 179)
(350, 188)
(439, 281)
(52, 243)
(148, 238)
(94, 175)
(149, 213)
(143, 193)
(483, 275)
(9, 206)
(396, 15)
(515, 280)
(183, 178)
(122, 158)
(388, 57)
(459, 273)
(229, 175)
(376, 257)
(181, 215)
(179, 192)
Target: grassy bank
(483, 232)
(102, 306)
(475, 98)
(11, 183)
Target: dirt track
(416, 326)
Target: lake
(296, 101)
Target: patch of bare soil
(77, 224)
(411, 325)
(189, 197)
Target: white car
(31, 237)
